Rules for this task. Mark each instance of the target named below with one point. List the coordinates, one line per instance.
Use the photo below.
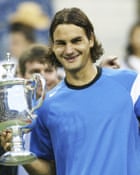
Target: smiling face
(72, 47)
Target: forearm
(41, 167)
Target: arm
(40, 167)
(110, 62)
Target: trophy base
(17, 158)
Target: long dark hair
(77, 17)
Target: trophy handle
(37, 82)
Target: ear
(91, 40)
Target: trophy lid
(10, 69)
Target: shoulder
(54, 92)
(60, 87)
(120, 73)
(125, 77)
(110, 71)
(51, 97)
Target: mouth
(71, 59)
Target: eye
(59, 42)
(35, 71)
(77, 40)
(48, 70)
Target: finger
(114, 63)
(5, 137)
(7, 146)
(5, 132)
(113, 58)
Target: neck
(82, 77)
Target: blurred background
(112, 20)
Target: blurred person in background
(32, 14)
(35, 60)
(22, 23)
(132, 57)
(21, 36)
(24, 26)
(38, 9)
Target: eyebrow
(73, 39)
(35, 70)
(77, 38)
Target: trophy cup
(17, 105)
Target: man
(88, 123)
(35, 59)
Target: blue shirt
(92, 129)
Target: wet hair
(77, 17)
(27, 31)
(36, 52)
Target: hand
(111, 62)
(5, 139)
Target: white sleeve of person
(135, 94)
(135, 91)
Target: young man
(35, 59)
(88, 123)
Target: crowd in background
(33, 13)
(23, 24)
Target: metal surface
(17, 105)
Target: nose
(68, 48)
(43, 74)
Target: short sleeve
(40, 143)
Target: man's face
(71, 46)
(47, 71)
(18, 43)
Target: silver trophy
(17, 105)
